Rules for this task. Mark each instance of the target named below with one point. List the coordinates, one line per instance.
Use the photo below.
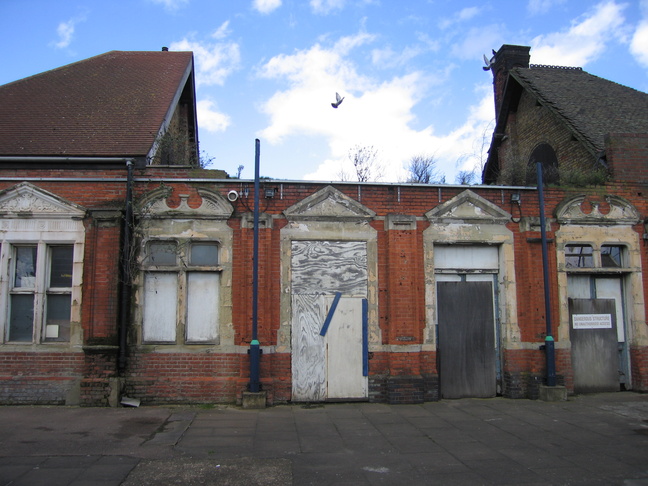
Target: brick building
(127, 270)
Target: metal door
(329, 284)
(467, 344)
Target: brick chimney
(507, 58)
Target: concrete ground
(587, 440)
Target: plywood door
(308, 348)
(467, 353)
(324, 366)
(344, 359)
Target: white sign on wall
(592, 321)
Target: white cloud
(536, 7)
(462, 15)
(65, 32)
(266, 6)
(214, 61)
(374, 113)
(222, 31)
(171, 5)
(475, 40)
(387, 57)
(326, 6)
(210, 118)
(639, 42)
(584, 41)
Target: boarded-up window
(160, 307)
(183, 303)
(202, 306)
(466, 257)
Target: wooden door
(594, 349)
(467, 351)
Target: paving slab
(586, 440)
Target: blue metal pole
(550, 354)
(255, 351)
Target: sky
(410, 71)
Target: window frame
(580, 255)
(39, 292)
(597, 258)
(182, 270)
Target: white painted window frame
(43, 241)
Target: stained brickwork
(402, 366)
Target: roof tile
(592, 106)
(106, 106)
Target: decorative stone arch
(154, 204)
(582, 219)
(29, 214)
(470, 219)
(156, 220)
(620, 212)
(325, 215)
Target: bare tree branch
(365, 164)
(422, 170)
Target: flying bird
(489, 62)
(338, 99)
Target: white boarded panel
(468, 257)
(160, 307)
(329, 266)
(202, 306)
(610, 288)
(344, 351)
(308, 353)
(579, 287)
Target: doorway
(595, 288)
(329, 316)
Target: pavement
(586, 440)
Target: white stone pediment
(621, 212)
(27, 200)
(213, 205)
(469, 208)
(326, 205)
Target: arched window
(546, 155)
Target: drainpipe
(255, 351)
(126, 270)
(549, 340)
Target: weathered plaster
(470, 219)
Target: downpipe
(126, 271)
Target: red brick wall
(40, 378)
(627, 156)
(179, 377)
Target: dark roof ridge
(112, 104)
(57, 68)
(545, 66)
(80, 61)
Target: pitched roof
(591, 106)
(111, 105)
